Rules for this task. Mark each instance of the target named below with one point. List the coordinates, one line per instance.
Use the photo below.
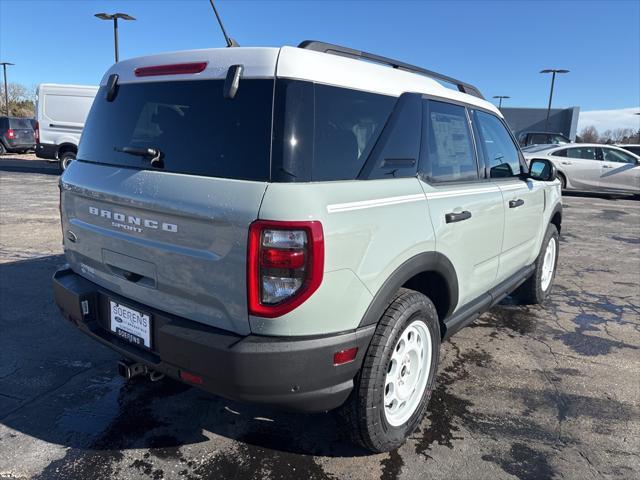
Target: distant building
(561, 120)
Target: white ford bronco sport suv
(298, 227)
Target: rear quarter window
(325, 133)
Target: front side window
(584, 153)
(500, 153)
(611, 155)
(447, 146)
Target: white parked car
(592, 167)
(61, 111)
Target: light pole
(114, 17)
(553, 80)
(500, 97)
(6, 90)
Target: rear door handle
(516, 203)
(457, 217)
(607, 166)
(566, 163)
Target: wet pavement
(525, 392)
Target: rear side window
(585, 153)
(447, 147)
(500, 152)
(197, 130)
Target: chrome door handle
(516, 203)
(457, 217)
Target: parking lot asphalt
(525, 392)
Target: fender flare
(64, 146)
(423, 262)
(556, 209)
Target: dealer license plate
(131, 325)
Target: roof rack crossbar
(352, 53)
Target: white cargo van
(61, 111)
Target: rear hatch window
(196, 129)
(20, 124)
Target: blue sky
(500, 46)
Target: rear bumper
(47, 151)
(291, 372)
(12, 145)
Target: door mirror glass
(543, 170)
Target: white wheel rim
(407, 373)
(548, 264)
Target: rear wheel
(2, 149)
(65, 159)
(398, 375)
(538, 286)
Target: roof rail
(351, 53)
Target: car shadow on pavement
(18, 165)
(59, 386)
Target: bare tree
(621, 135)
(21, 100)
(589, 135)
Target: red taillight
(36, 132)
(10, 134)
(174, 69)
(345, 356)
(285, 265)
(276, 258)
(191, 378)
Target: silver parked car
(591, 167)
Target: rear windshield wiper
(154, 153)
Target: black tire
(2, 149)
(563, 181)
(531, 291)
(364, 411)
(65, 159)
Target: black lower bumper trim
(48, 151)
(291, 372)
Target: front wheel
(563, 181)
(538, 286)
(398, 375)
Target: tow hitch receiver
(129, 369)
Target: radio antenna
(230, 41)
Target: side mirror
(544, 170)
